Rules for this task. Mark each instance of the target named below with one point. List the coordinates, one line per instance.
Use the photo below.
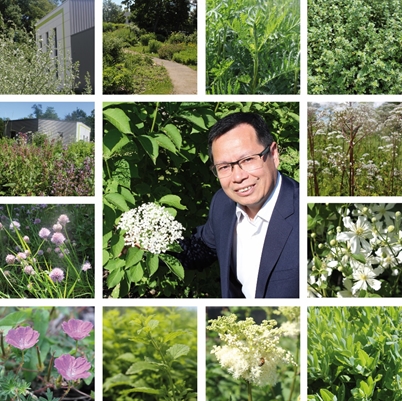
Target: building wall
(72, 23)
(66, 131)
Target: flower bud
(332, 242)
(390, 228)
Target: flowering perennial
(77, 329)
(251, 351)
(22, 337)
(364, 252)
(71, 368)
(150, 227)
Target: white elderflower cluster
(150, 227)
(251, 351)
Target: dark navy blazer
(278, 275)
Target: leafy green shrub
(144, 39)
(109, 27)
(150, 353)
(354, 47)
(167, 50)
(252, 47)
(177, 37)
(187, 56)
(154, 46)
(353, 353)
(167, 144)
(112, 50)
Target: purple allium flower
(29, 270)
(22, 337)
(21, 256)
(58, 238)
(10, 259)
(63, 219)
(77, 329)
(72, 368)
(37, 221)
(26, 238)
(57, 227)
(86, 266)
(56, 275)
(44, 233)
(40, 252)
(14, 224)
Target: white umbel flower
(150, 227)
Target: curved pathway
(183, 78)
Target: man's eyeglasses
(249, 163)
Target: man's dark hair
(231, 121)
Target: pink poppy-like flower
(63, 219)
(77, 329)
(22, 337)
(56, 275)
(58, 238)
(72, 368)
(86, 266)
(44, 233)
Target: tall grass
(253, 46)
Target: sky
(19, 110)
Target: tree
(112, 12)
(159, 16)
(49, 114)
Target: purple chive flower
(44, 233)
(57, 227)
(26, 238)
(22, 337)
(86, 266)
(58, 238)
(29, 270)
(14, 224)
(63, 219)
(77, 329)
(72, 368)
(56, 275)
(21, 256)
(37, 221)
(10, 259)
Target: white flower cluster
(250, 351)
(150, 227)
(368, 244)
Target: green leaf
(113, 141)
(118, 118)
(118, 201)
(152, 263)
(116, 245)
(150, 146)
(173, 264)
(115, 277)
(178, 350)
(15, 318)
(164, 142)
(140, 366)
(134, 255)
(128, 357)
(114, 264)
(135, 273)
(172, 200)
(327, 395)
(174, 134)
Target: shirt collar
(266, 209)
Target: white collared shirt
(249, 241)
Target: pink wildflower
(77, 329)
(22, 337)
(29, 270)
(21, 256)
(86, 266)
(14, 224)
(72, 368)
(58, 238)
(56, 275)
(44, 233)
(57, 227)
(63, 219)
(10, 259)
(26, 238)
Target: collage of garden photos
(154, 159)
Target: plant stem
(249, 392)
(156, 113)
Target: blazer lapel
(278, 232)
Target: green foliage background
(132, 367)
(354, 47)
(353, 353)
(158, 152)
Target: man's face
(249, 189)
